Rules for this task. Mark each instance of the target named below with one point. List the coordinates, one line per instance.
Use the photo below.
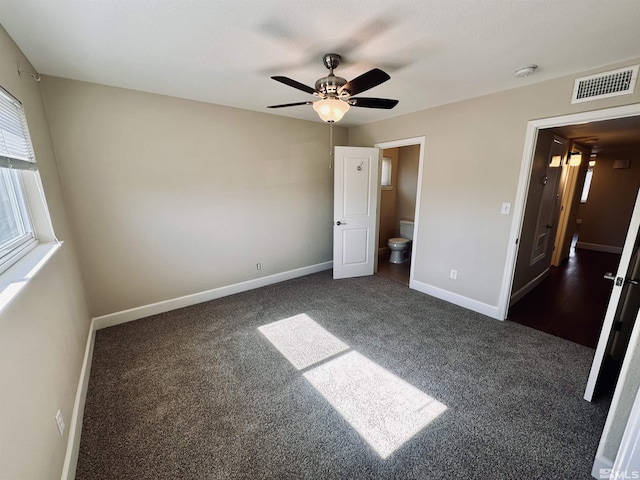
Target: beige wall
(606, 215)
(473, 154)
(408, 162)
(173, 197)
(43, 332)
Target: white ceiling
(224, 51)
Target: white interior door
(355, 202)
(616, 302)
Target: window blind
(15, 145)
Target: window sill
(17, 277)
(386, 187)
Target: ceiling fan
(336, 94)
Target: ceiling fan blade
(294, 84)
(367, 80)
(289, 104)
(385, 103)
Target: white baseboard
(601, 463)
(131, 314)
(75, 426)
(599, 248)
(528, 287)
(466, 302)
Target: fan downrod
(331, 61)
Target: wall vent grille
(605, 84)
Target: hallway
(571, 302)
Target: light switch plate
(506, 208)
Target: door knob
(340, 223)
(610, 276)
(620, 281)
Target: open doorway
(398, 191)
(399, 199)
(565, 292)
(627, 384)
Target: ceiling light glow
(331, 110)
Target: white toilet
(400, 245)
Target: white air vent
(605, 84)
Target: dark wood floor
(571, 302)
(398, 272)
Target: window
(16, 157)
(385, 175)
(587, 185)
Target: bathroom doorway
(399, 194)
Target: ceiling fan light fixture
(336, 94)
(331, 110)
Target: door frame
(531, 137)
(405, 142)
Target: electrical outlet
(453, 275)
(60, 422)
(258, 266)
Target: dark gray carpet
(199, 393)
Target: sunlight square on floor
(302, 341)
(384, 409)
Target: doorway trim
(531, 137)
(407, 142)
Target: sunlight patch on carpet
(302, 341)
(384, 409)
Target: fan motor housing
(330, 86)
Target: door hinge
(617, 326)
